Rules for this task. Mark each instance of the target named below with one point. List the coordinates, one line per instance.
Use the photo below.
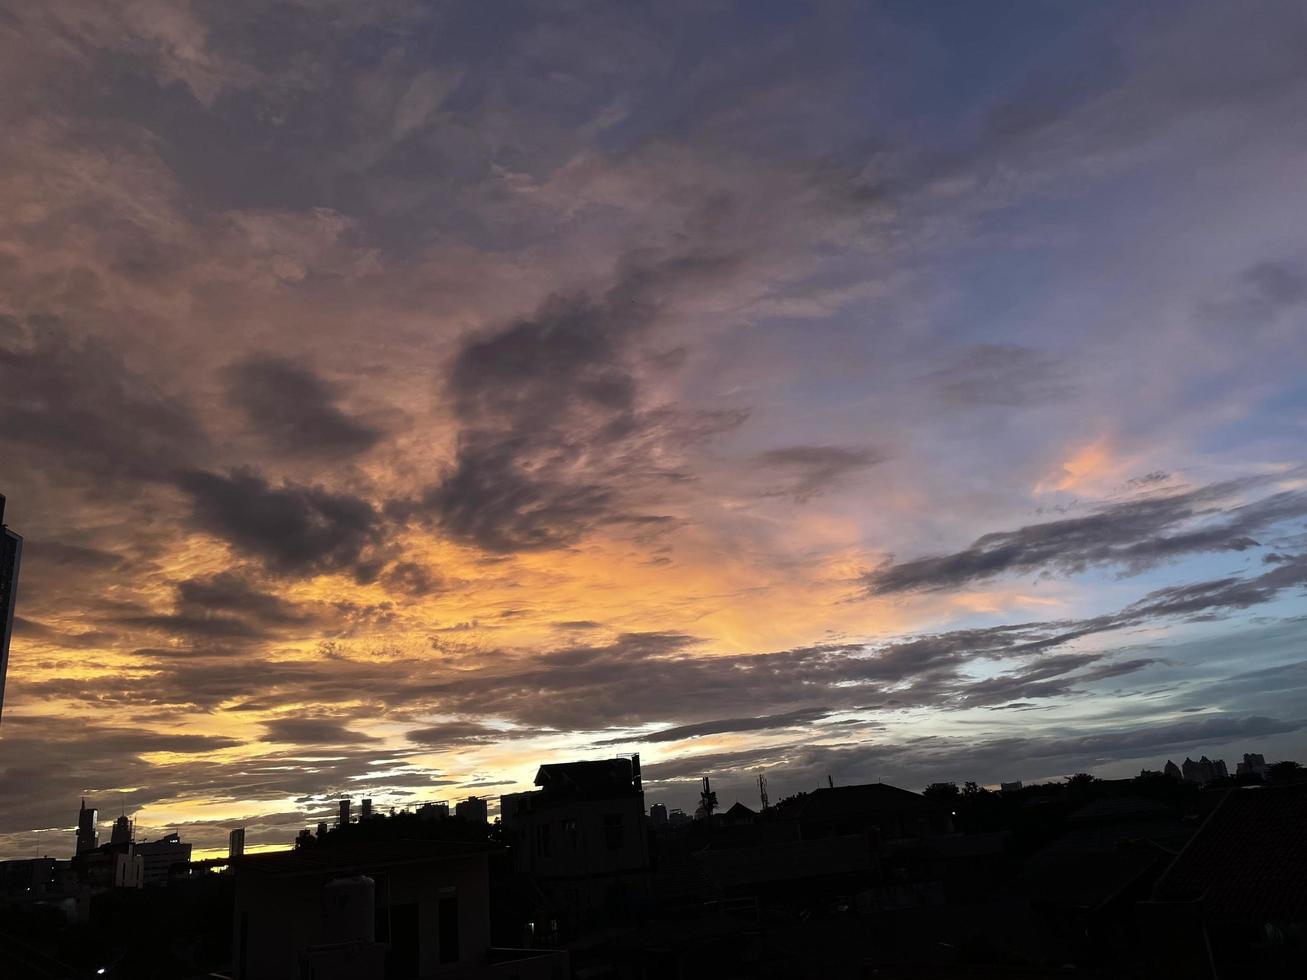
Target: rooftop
(591, 778)
(358, 857)
(839, 801)
(1248, 861)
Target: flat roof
(358, 857)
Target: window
(449, 929)
(613, 831)
(573, 834)
(542, 840)
(402, 957)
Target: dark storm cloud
(312, 731)
(294, 529)
(554, 429)
(491, 500)
(455, 733)
(293, 409)
(231, 593)
(224, 606)
(29, 629)
(815, 469)
(560, 689)
(1134, 534)
(1208, 598)
(198, 627)
(72, 400)
(412, 579)
(1001, 374)
(1056, 677)
(69, 556)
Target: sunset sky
(395, 396)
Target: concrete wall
(278, 916)
(572, 839)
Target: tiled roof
(1248, 862)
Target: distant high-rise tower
(88, 838)
(344, 811)
(473, 809)
(122, 831)
(236, 843)
(366, 812)
(11, 550)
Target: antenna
(830, 781)
(707, 801)
(762, 790)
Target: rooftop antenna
(707, 800)
(830, 781)
(762, 790)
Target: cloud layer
(804, 393)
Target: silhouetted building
(11, 553)
(122, 830)
(236, 842)
(343, 819)
(894, 813)
(369, 911)
(32, 878)
(737, 815)
(473, 809)
(365, 812)
(1237, 894)
(1254, 764)
(1011, 787)
(160, 856)
(790, 870)
(1171, 770)
(582, 836)
(433, 811)
(88, 837)
(1204, 770)
(658, 816)
(112, 865)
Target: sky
(397, 396)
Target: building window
(542, 840)
(449, 929)
(573, 834)
(613, 831)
